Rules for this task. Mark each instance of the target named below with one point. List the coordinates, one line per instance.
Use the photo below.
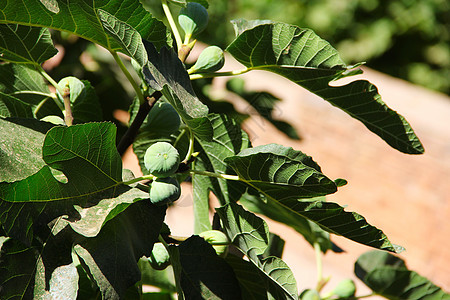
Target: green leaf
(280, 172)
(253, 284)
(17, 270)
(87, 157)
(164, 279)
(250, 234)
(200, 194)
(13, 107)
(16, 161)
(112, 256)
(125, 35)
(304, 58)
(276, 211)
(204, 274)
(275, 246)
(331, 217)
(23, 93)
(166, 73)
(24, 44)
(63, 283)
(82, 18)
(388, 276)
(228, 140)
(84, 101)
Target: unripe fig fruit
(210, 60)
(216, 237)
(345, 289)
(163, 118)
(54, 120)
(159, 258)
(310, 295)
(164, 191)
(161, 159)
(193, 18)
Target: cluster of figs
(162, 159)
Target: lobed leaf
(304, 58)
(112, 255)
(86, 158)
(82, 18)
(16, 161)
(23, 93)
(17, 270)
(24, 44)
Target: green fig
(210, 60)
(54, 120)
(159, 259)
(310, 295)
(345, 289)
(193, 18)
(164, 191)
(163, 118)
(161, 159)
(218, 240)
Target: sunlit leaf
(125, 35)
(23, 93)
(16, 161)
(24, 44)
(166, 73)
(82, 18)
(304, 58)
(280, 172)
(86, 158)
(112, 256)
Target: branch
(130, 135)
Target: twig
(131, 133)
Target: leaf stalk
(217, 175)
(127, 74)
(172, 24)
(219, 74)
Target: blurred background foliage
(409, 39)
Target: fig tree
(164, 191)
(210, 60)
(161, 159)
(193, 18)
(218, 240)
(159, 258)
